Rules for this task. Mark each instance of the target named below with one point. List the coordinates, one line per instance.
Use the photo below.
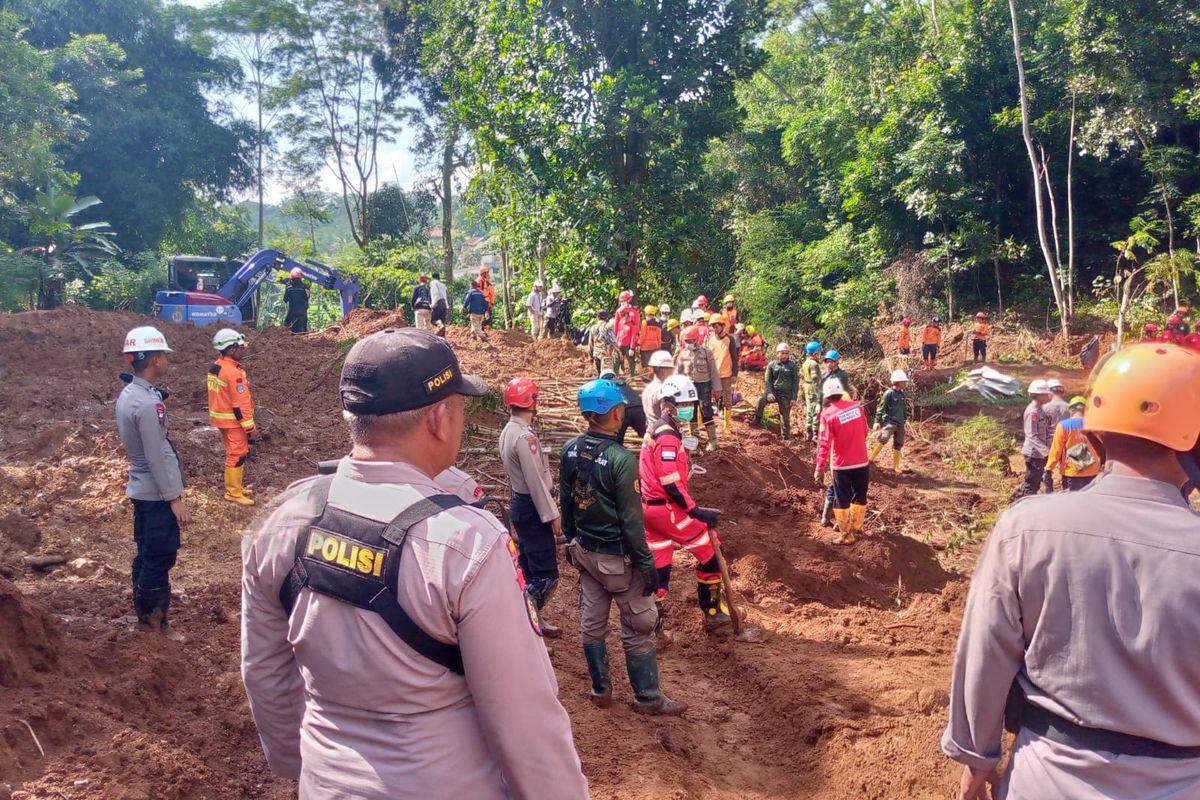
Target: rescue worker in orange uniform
(904, 346)
(725, 353)
(231, 411)
(651, 338)
(1072, 453)
(729, 311)
(672, 517)
(488, 287)
(980, 340)
(931, 340)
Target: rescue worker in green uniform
(810, 372)
(782, 386)
(606, 541)
(890, 418)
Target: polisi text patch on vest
(344, 552)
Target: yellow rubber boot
(858, 518)
(842, 515)
(233, 486)
(875, 448)
(896, 460)
(728, 419)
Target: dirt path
(846, 699)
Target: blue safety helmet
(812, 347)
(600, 396)
(833, 355)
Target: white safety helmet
(1054, 384)
(664, 309)
(146, 339)
(680, 389)
(227, 337)
(555, 288)
(831, 388)
(899, 376)
(685, 316)
(537, 284)
(1039, 386)
(783, 347)
(661, 358)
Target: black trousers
(979, 349)
(537, 555)
(440, 313)
(850, 486)
(156, 534)
(297, 321)
(704, 390)
(1035, 477)
(635, 417)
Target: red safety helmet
(981, 315)
(906, 321)
(296, 272)
(702, 301)
(692, 334)
(520, 393)
(625, 296)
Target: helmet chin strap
(1190, 462)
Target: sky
(396, 160)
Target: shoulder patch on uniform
(669, 453)
(241, 387)
(215, 369)
(161, 410)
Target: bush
(980, 448)
(121, 286)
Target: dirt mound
(362, 322)
(28, 638)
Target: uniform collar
(520, 423)
(382, 472)
(230, 359)
(140, 381)
(598, 435)
(1135, 488)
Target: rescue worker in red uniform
(671, 515)
(231, 411)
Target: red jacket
(663, 468)
(629, 324)
(844, 432)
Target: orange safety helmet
(1149, 390)
(520, 393)
(718, 319)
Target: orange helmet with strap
(1149, 390)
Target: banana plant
(65, 248)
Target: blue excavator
(236, 301)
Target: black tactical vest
(356, 560)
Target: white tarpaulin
(990, 384)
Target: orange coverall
(231, 408)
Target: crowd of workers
(391, 626)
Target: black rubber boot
(597, 662)
(716, 616)
(827, 514)
(647, 696)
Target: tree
(153, 140)
(341, 103)
(312, 207)
(252, 32)
(401, 215)
(609, 107)
(65, 248)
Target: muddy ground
(845, 700)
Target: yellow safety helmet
(751, 330)
(672, 324)
(650, 310)
(728, 298)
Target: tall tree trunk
(1053, 213)
(1071, 212)
(1171, 245)
(949, 273)
(999, 288)
(541, 257)
(504, 272)
(261, 145)
(1027, 135)
(448, 209)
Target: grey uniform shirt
(154, 472)
(1090, 600)
(697, 362)
(348, 708)
(1039, 430)
(527, 467)
(652, 400)
(1057, 410)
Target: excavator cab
(194, 294)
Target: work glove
(569, 551)
(705, 515)
(649, 578)
(770, 398)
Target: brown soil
(845, 699)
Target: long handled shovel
(741, 632)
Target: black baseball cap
(401, 369)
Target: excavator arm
(262, 264)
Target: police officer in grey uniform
(606, 542)
(155, 479)
(532, 510)
(387, 648)
(1080, 629)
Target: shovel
(741, 633)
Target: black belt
(1051, 726)
(609, 548)
(656, 502)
